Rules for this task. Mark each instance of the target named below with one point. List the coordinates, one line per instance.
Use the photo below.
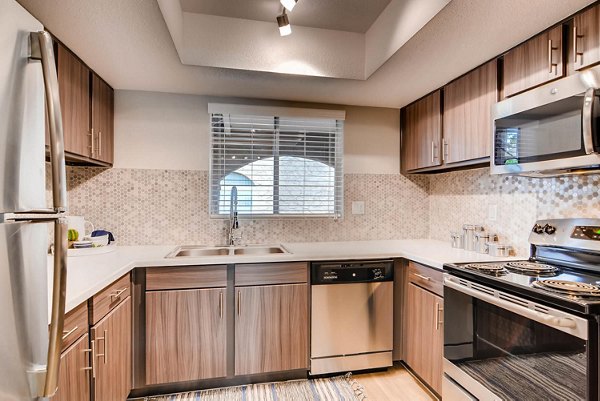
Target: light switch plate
(358, 207)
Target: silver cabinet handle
(117, 294)
(68, 333)
(433, 147)
(92, 351)
(445, 150)
(550, 63)
(239, 303)
(104, 339)
(422, 277)
(439, 320)
(576, 53)
(93, 149)
(99, 143)
(41, 48)
(221, 305)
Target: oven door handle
(562, 323)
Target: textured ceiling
(128, 44)
(341, 15)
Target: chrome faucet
(234, 235)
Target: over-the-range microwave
(551, 130)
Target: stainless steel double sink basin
(199, 250)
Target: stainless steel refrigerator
(29, 348)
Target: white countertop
(87, 275)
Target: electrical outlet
(358, 207)
(492, 212)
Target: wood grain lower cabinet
(75, 375)
(112, 339)
(185, 335)
(423, 335)
(535, 62)
(271, 328)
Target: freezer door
(23, 308)
(22, 114)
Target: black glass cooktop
(500, 275)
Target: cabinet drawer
(184, 277)
(76, 324)
(107, 299)
(271, 273)
(426, 277)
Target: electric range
(527, 329)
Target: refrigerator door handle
(41, 48)
(57, 318)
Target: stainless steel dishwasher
(351, 316)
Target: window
(284, 162)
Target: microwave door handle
(586, 120)
(41, 48)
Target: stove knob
(538, 229)
(548, 229)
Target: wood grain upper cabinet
(271, 328)
(74, 89)
(535, 62)
(102, 120)
(468, 114)
(75, 372)
(584, 49)
(185, 335)
(422, 133)
(111, 341)
(423, 335)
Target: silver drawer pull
(422, 277)
(117, 294)
(68, 333)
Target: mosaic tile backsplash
(467, 197)
(143, 207)
(171, 206)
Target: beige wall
(171, 131)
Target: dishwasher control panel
(352, 272)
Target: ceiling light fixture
(284, 24)
(288, 4)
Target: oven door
(501, 347)
(550, 129)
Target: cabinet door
(271, 328)
(585, 38)
(185, 335)
(102, 119)
(535, 62)
(112, 339)
(468, 115)
(423, 133)
(424, 335)
(74, 88)
(75, 376)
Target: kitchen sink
(199, 251)
(258, 250)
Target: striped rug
(341, 388)
(549, 376)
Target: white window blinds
(284, 162)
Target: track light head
(288, 4)
(284, 24)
